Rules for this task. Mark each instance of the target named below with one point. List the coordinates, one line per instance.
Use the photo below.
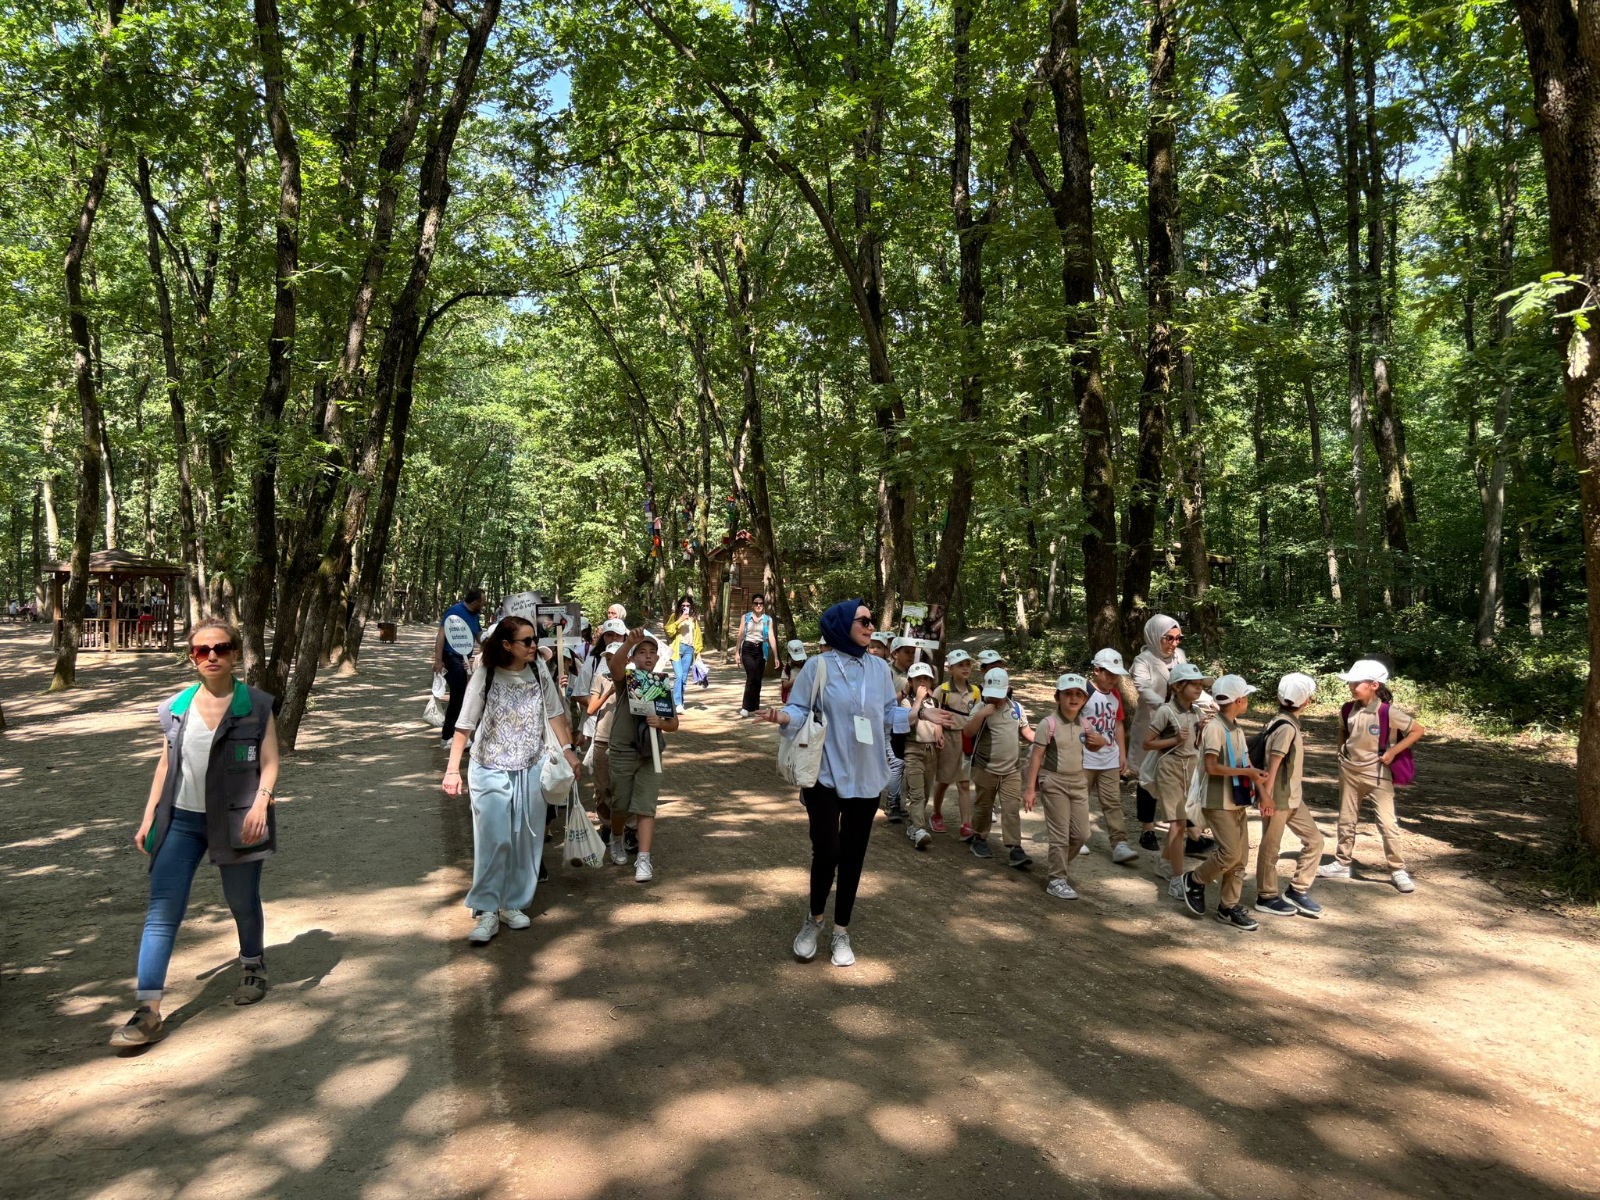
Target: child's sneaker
(936, 823)
(1277, 906)
(966, 831)
(1304, 904)
(1402, 881)
(1147, 840)
(643, 871)
(619, 852)
(1334, 870)
(1061, 890)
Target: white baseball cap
(1230, 688)
(1110, 660)
(987, 658)
(797, 650)
(996, 684)
(903, 643)
(956, 657)
(1185, 673)
(1069, 681)
(920, 670)
(615, 626)
(884, 636)
(1366, 670)
(1296, 688)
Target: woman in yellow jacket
(687, 641)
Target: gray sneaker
(1402, 881)
(843, 956)
(919, 837)
(1124, 853)
(1061, 890)
(1334, 870)
(980, 848)
(805, 942)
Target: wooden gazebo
(131, 602)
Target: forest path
(659, 1040)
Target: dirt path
(659, 1041)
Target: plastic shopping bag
(433, 712)
(441, 687)
(584, 847)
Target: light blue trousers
(508, 816)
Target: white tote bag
(1195, 802)
(584, 847)
(441, 686)
(555, 776)
(433, 712)
(800, 757)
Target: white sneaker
(744, 712)
(1402, 881)
(513, 918)
(488, 925)
(805, 942)
(643, 872)
(919, 838)
(1175, 886)
(619, 850)
(1083, 849)
(1124, 853)
(1163, 868)
(843, 956)
(1334, 870)
(1061, 890)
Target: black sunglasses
(527, 641)
(867, 621)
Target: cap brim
(994, 694)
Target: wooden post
(114, 626)
(55, 607)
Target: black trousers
(455, 678)
(1146, 804)
(753, 659)
(840, 829)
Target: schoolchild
(1230, 786)
(602, 707)
(1175, 736)
(1372, 722)
(923, 742)
(1105, 759)
(958, 696)
(1055, 774)
(635, 782)
(1282, 806)
(998, 728)
(794, 658)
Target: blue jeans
(680, 672)
(170, 877)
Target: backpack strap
(1383, 728)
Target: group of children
(1194, 758)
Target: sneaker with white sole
(488, 925)
(1277, 906)
(1402, 881)
(1334, 870)
(744, 712)
(1194, 894)
(1175, 887)
(1061, 890)
(919, 837)
(1083, 849)
(1303, 902)
(619, 852)
(643, 870)
(513, 918)
(843, 956)
(1124, 853)
(805, 942)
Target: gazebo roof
(120, 562)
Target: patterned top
(510, 721)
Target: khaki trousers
(1231, 828)
(1304, 825)
(1107, 787)
(1352, 791)
(1009, 789)
(922, 766)
(1065, 801)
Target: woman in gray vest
(212, 794)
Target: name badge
(863, 731)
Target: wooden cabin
(738, 571)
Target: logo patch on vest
(244, 754)
(1374, 730)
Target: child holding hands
(1055, 774)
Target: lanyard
(840, 658)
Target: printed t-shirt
(1216, 738)
(1285, 740)
(1063, 745)
(1102, 714)
(998, 744)
(1363, 732)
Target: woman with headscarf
(857, 705)
(1163, 650)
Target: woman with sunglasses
(858, 705)
(212, 793)
(1163, 650)
(513, 705)
(756, 640)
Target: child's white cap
(996, 684)
(614, 626)
(797, 650)
(1110, 660)
(903, 643)
(884, 636)
(920, 670)
(956, 657)
(987, 658)
(1230, 688)
(1296, 688)
(1366, 670)
(1185, 673)
(1067, 682)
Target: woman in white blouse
(514, 705)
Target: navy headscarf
(836, 623)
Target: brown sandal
(252, 987)
(144, 1028)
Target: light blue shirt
(855, 687)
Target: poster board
(521, 604)
(458, 635)
(650, 695)
(557, 624)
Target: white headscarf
(1155, 629)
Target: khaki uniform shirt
(1286, 740)
(1215, 739)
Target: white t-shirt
(1102, 714)
(194, 757)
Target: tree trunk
(1491, 584)
(256, 594)
(1161, 184)
(1563, 42)
(1350, 171)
